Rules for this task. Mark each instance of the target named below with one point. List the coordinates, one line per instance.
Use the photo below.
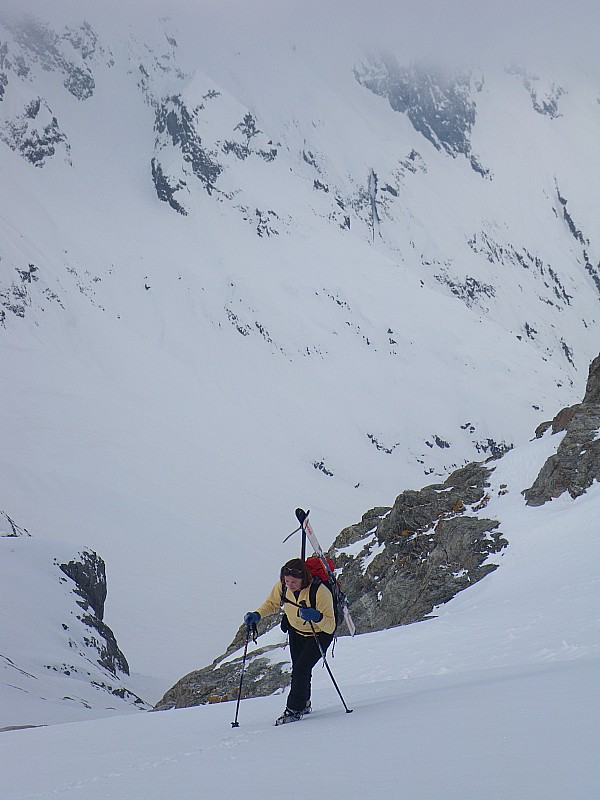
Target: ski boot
(289, 716)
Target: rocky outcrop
(401, 562)
(219, 682)
(76, 668)
(396, 565)
(439, 107)
(89, 576)
(176, 129)
(576, 463)
(592, 390)
(35, 134)
(165, 189)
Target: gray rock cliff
(576, 463)
(89, 576)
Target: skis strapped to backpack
(323, 569)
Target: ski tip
(301, 515)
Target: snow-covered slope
(59, 661)
(497, 696)
(244, 272)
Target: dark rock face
(592, 391)
(395, 565)
(576, 463)
(89, 576)
(176, 126)
(438, 106)
(165, 190)
(89, 573)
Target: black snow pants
(305, 653)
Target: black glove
(251, 618)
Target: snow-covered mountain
(496, 696)
(60, 660)
(243, 268)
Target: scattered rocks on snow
(544, 98)
(8, 527)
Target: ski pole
(235, 723)
(320, 646)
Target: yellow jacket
(324, 604)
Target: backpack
(317, 569)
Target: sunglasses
(294, 573)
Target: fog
(539, 32)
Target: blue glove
(251, 618)
(310, 614)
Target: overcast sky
(535, 30)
